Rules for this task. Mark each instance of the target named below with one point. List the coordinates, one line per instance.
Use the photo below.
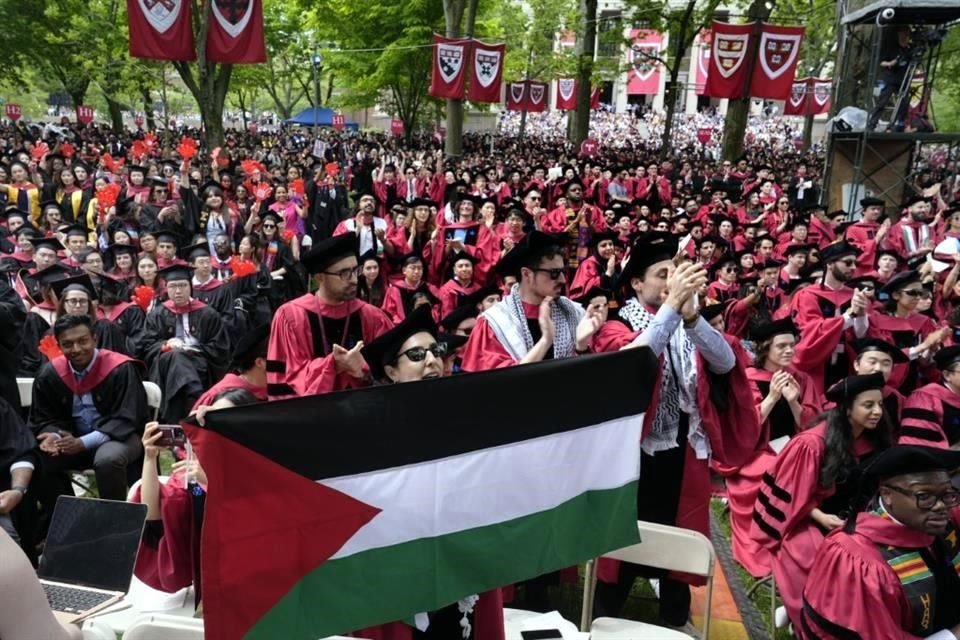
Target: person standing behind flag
(315, 340)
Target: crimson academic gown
(931, 417)
(781, 520)
(398, 301)
(591, 273)
(863, 235)
(452, 293)
(821, 351)
(228, 382)
(300, 356)
(721, 291)
(743, 483)
(479, 241)
(904, 333)
(882, 581)
(729, 420)
(485, 352)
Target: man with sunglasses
(931, 415)
(824, 312)
(892, 571)
(315, 340)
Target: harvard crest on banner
(728, 60)
(487, 73)
(161, 30)
(235, 34)
(643, 77)
(777, 55)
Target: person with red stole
(701, 408)
(88, 408)
(115, 307)
(912, 235)
(878, 356)
(899, 323)
(892, 571)
(248, 368)
(534, 321)
(601, 266)
(410, 291)
(931, 414)
(315, 340)
(788, 402)
(824, 312)
(40, 317)
(868, 234)
(578, 221)
(461, 285)
(725, 285)
(807, 492)
(465, 234)
(184, 344)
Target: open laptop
(90, 553)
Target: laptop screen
(93, 543)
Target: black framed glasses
(553, 274)
(269, 226)
(928, 501)
(345, 274)
(913, 293)
(419, 354)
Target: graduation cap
(810, 208)
(252, 345)
(75, 230)
(900, 281)
(838, 250)
(114, 250)
(49, 275)
(914, 199)
(852, 386)
(113, 287)
(863, 345)
(462, 255)
(136, 168)
(194, 251)
(530, 190)
(14, 211)
(597, 238)
(837, 213)
(573, 182)
(711, 311)
(533, 246)
(49, 204)
(167, 236)
(385, 349)
(916, 262)
(452, 320)
(767, 330)
(887, 252)
(947, 357)
(481, 294)
(175, 272)
(451, 341)
(27, 229)
(424, 202)
(864, 282)
(904, 459)
(793, 249)
(594, 292)
(76, 283)
(325, 253)
(159, 181)
(795, 283)
(653, 247)
(50, 243)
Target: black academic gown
(27, 353)
(183, 374)
(12, 316)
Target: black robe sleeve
(17, 444)
(157, 329)
(213, 341)
(122, 402)
(131, 322)
(12, 316)
(52, 407)
(29, 358)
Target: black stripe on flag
(352, 432)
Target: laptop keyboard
(73, 600)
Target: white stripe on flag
(492, 485)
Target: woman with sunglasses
(279, 261)
(808, 491)
(411, 352)
(916, 334)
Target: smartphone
(541, 634)
(173, 436)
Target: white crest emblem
(566, 86)
(516, 91)
(729, 51)
(486, 64)
(797, 93)
(778, 51)
(537, 93)
(161, 14)
(821, 92)
(643, 58)
(450, 61)
(233, 16)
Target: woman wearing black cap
(601, 266)
(279, 260)
(807, 492)
(465, 233)
(900, 324)
(411, 291)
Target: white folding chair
(164, 627)
(662, 547)
(25, 387)
(154, 397)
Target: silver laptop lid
(93, 543)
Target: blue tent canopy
(321, 116)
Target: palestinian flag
(332, 513)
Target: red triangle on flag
(264, 529)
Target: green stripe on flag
(393, 583)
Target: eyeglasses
(345, 274)
(913, 293)
(928, 501)
(269, 226)
(75, 302)
(419, 354)
(784, 202)
(848, 263)
(534, 197)
(553, 274)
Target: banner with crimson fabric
(796, 102)
(777, 55)
(595, 98)
(516, 96)
(235, 34)
(449, 77)
(643, 76)
(487, 72)
(566, 99)
(702, 49)
(536, 96)
(727, 75)
(820, 95)
(161, 30)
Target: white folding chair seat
(154, 397)
(620, 629)
(25, 387)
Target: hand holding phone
(172, 436)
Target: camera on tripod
(922, 39)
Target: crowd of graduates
(799, 346)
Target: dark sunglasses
(419, 354)
(269, 226)
(913, 293)
(553, 274)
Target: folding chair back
(25, 387)
(154, 397)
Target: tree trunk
(807, 131)
(453, 15)
(738, 111)
(329, 95)
(116, 113)
(584, 49)
(671, 94)
(147, 100)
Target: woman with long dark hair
(807, 492)
(600, 268)
(371, 287)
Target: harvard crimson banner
(796, 102)
(595, 98)
(161, 30)
(449, 77)
(381, 520)
(820, 96)
(702, 49)
(236, 32)
(536, 96)
(643, 77)
(566, 94)
(486, 76)
(777, 56)
(727, 75)
(516, 96)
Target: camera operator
(893, 69)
